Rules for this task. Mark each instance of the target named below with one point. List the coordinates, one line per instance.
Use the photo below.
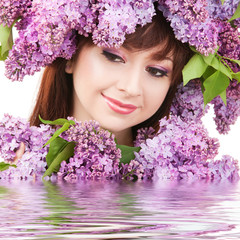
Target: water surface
(120, 210)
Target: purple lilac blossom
(226, 168)
(229, 43)
(226, 115)
(191, 23)
(222, 11)
(47, 29)
(11, 10)
(117, 18)
(32, 164)
(188, 102)
(179, 150)
(45, 36)
(96, 154)
(143, 134)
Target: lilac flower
(191, 23)
(179, 150)
(188, 102)
(222, 11)
(96, 154)
(226, 115)
(46, 35)
(47, 29)
(226, 168)
(143, 134)
(117, 18)
(11, 10)
(131, 171)
(229, 43)
(32, 164)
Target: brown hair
(55, 94)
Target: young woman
(122, 88)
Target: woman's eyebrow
(160, 57)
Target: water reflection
(120, 210)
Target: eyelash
(156, 71)
(112, 57)
(151, 70)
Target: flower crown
(47, 30)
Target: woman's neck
(124, 137)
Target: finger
(19, 152)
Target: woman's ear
(69, 67)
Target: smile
(119, 107)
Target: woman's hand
(19, 152)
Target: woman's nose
(131, 82)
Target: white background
(17, 99)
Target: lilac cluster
(32, 164)
(179, 150)
(188, 102)
(188, 105)
(229, 43)
(226, 115)
(11, 10)
(222, 11)
(192, 23)
(226, 168)
(117, 18)
(95, 156)
(131, 171)
(203, 24)
(47, 29)
(46, 34)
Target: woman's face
(117, 87)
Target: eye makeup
(113, 57)
(154, 70)
(157, 71)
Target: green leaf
(127, 153)
(223, 96)
(209, 71)
(236, 76)
(222, 1)
(4, 166)
(236, 14)
(218, 65)
(6, 41)
(194, 68)
(56, 146)
(59, 121)
(65, 154)
(235, 61)
(57, 133)
(214, 85)
(194, 49)
(208, 59)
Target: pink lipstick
(119, 107)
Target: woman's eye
(156, 72)
(112, 57)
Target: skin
(129, 77)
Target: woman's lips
(119, 107)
